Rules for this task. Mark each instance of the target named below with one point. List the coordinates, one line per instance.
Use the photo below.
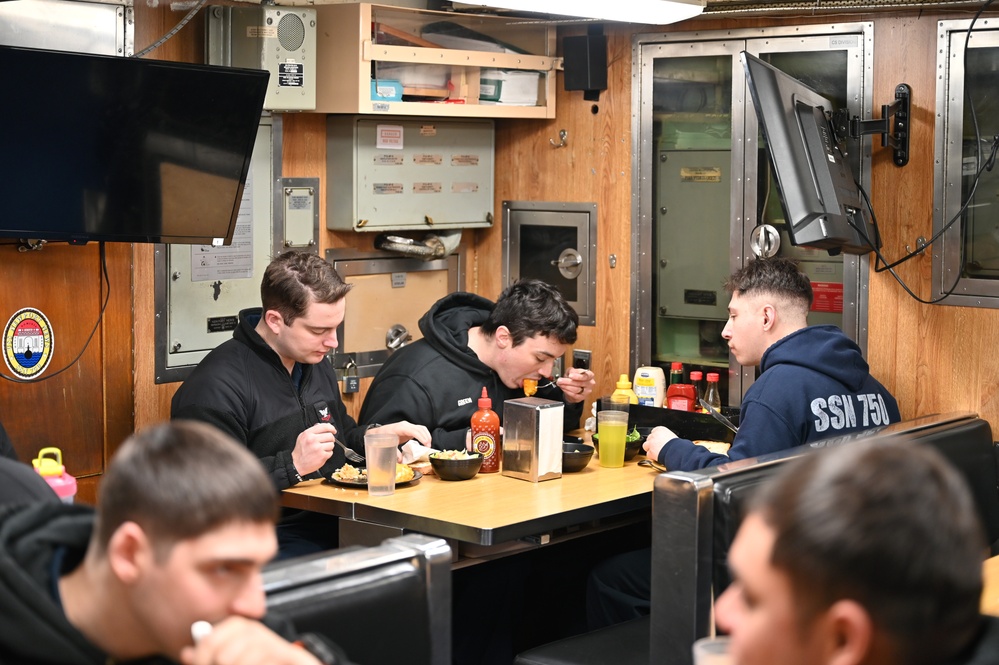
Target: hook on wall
(562, 135)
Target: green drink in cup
(612, 428)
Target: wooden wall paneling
(595, 165)
(152, 400)
(61, 408)
(935, 358)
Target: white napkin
(591, 423)
(413, 451)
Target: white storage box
(509, 86)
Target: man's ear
(850, 633)
(503, 337)
(129, 552)
(769, 314)
(273, 320)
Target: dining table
(489, 514)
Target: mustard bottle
(624, 393)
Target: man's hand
(241, 641)
(313, 447)
(405, 431)
(658, 437)
(577, 384)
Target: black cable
(100, 317)
(184, 21)
(980, 168)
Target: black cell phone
(581, 359)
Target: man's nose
(727, 330)
(723, 610)
(251, 602)
(331, 341)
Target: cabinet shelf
(352, 55)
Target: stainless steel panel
(68, 25)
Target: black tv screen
(822, 203)
(122, 149)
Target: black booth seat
(383, 605)
(695, 516)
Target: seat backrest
(382, 605)
(696, 515)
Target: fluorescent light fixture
(652, 12)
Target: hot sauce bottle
(486, 434)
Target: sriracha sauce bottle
(486, 434)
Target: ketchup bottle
(486, 434)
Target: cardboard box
(532, 438)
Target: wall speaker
(281, 40)
(584, 60)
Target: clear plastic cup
(612, 427)
(712, 651)
(380, 454)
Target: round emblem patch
(28, 343)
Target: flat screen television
(822, 203)
(97, 147)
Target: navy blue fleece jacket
(814, 384)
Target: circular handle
(569, 263)
(764, 241)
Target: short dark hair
(889, 524)
(776, 276)
(530, 307)
(179, 480)
(295, 280)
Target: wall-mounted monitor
(822, 203)
(106, 148)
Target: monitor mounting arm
(893, 125)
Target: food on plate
(632, 436)
(451, 454)
(423, 467)
(530, 386)
(403, 474)
(714, 446)
(350, 473)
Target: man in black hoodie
(271, 388)
(184, 524)
(470, 343)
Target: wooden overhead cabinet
(375, 59)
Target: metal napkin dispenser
(532, 438)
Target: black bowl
(456, 469)
(631, 448)
(575, 456)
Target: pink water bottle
(54, 473)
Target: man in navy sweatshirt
(814, 382)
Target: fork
(348, 452)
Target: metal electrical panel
(300, 213)
(199, 289)
(68, 25)
(693, 215)
(408, 173)
(281, 40)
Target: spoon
(655, 465)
